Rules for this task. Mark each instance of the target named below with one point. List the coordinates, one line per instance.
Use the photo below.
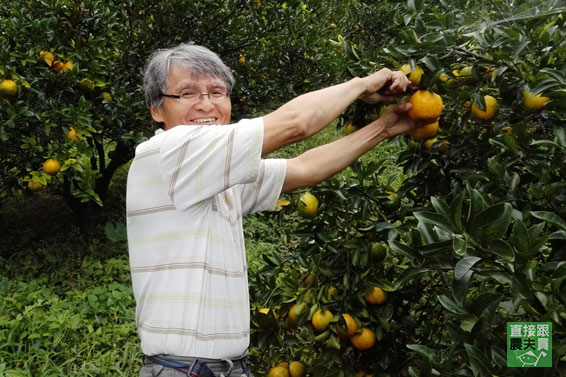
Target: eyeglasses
(216, 96)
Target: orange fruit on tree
(51, 166)
(279, 371)
(297, 369)
(332, 292)
(87, 84)
(491, 108)
(465, 74)
(425, 132)
(378, 252)
(376, 296)
(534, 102)
(8, 88)
(308, 205)
(74, 135)
(46, 57)
(363, 340)
(349, 128)
(68, 66)
(351, 327)
(58, 66)
(34, 186)
(321, 319)
(414, 74)
(427, 106)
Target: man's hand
(395, 82)
(396, 121)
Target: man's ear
(156, 114)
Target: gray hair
(199, 60)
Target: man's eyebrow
(191, 85)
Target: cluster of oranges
(57, 65)
(427, 106)
(346, 327)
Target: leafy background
(476, 240)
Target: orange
(465, 74)
(415, 74)
(427, 106)
(425, 132)
(376, 296)
(87, 84)
(332, 292)
(364, 340)
(74, 135)
(378, 251)
(531, 102)
(68, 66)
(297, 369)
(51, 166)
(279, 371)
(34, 186)
(8, 88)
(351, 327)
(57, 66)
(47, 57)
(307, 279)
(491, 108)
(308, 205)
(349, 128)
(321, 319)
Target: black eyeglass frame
(201, 95)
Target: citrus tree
(421, 277)
(71, 75)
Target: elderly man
(190, 185)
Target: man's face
(204, 111)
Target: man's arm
(309, 113)
(320, 163)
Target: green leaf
(452, 306)
(441, 207)
(520, 237)
(465, 265)
(424, 351)
(456, 210)
(492, 223)
(550, 217)
(476, 361)
(116, 232)
(477, 203)
(405, 250)
(459, 245)
(434, 219)
(461, 286)
(502, 249)
(408, 275)
(436, 248)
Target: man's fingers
(401, 107)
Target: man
(190, 185)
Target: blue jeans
(226, 368)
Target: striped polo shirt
(188, 188)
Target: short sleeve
(198, 162)
(262, 194)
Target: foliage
(478, 238)
(77, 320)
(272, 48)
